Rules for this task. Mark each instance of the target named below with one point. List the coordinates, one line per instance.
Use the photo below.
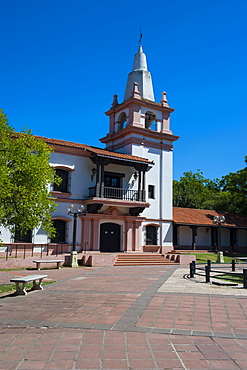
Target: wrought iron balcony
(117, 193)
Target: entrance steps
(142, 259)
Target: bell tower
(139, 126)
(139, 119)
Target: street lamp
(75, 212)
(219, 220)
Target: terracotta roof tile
(191, 216)
(94, 150)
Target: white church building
(126, 188)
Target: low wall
(182, 259)
(99, 260)
(18, 263)
(92, 259)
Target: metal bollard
(245, 278)
(233, 265)
(209, 264)
(207, 274)
(192, 269)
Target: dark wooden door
(110, 237)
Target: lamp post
(75, 212)
(219, 220)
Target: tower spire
(142, 76)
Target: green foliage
(204, 257)
(226, 194)
(234, 277)
(25, 202)
(235, 184)
(193, 190)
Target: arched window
(63, 186)
(151, 235)
(150, 121)
(122, 120)
(60, 227)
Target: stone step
(140, 259)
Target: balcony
(117, 193)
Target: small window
(151, 235)
(60, 227)
(151, 191)
(23, 238)
(63, 186)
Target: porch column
(85, 240)
(102, 181)
(128, 236)
(139, 185)
(97, 186)
(175, 234)
(95, 234)
(137, 236)
(143, 186)
(214, 239)
(194, 234)
(233, 238)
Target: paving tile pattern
(57, 348)
(119, 318)
(209, 314)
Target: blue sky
(63, 60)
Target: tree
(235, 184)
(193, 190)
(226, 194)
(25, 202)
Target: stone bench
(58, 262)
(36, 279)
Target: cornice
(130, 130)
(142, 102)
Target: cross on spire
(140, 39)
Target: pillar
(95, 234)
(128, 236)
(194, 234)
(85, 238)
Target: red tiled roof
(94, 150)
(191, 216)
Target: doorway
(110, 237)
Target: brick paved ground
(122, 318)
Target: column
(128, 236)
(175, 234)
(137, 245)
(233, 238)
(143, 186)
(139, 185)
(102, 181)
(97, 186)
(95, 234)
(194, 234)
(85, 238)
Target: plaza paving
(144, 317)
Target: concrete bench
(58, 262)
(36, 279)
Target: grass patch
(11, 287)
(236, 278)
(15, 269)
(203, 257)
